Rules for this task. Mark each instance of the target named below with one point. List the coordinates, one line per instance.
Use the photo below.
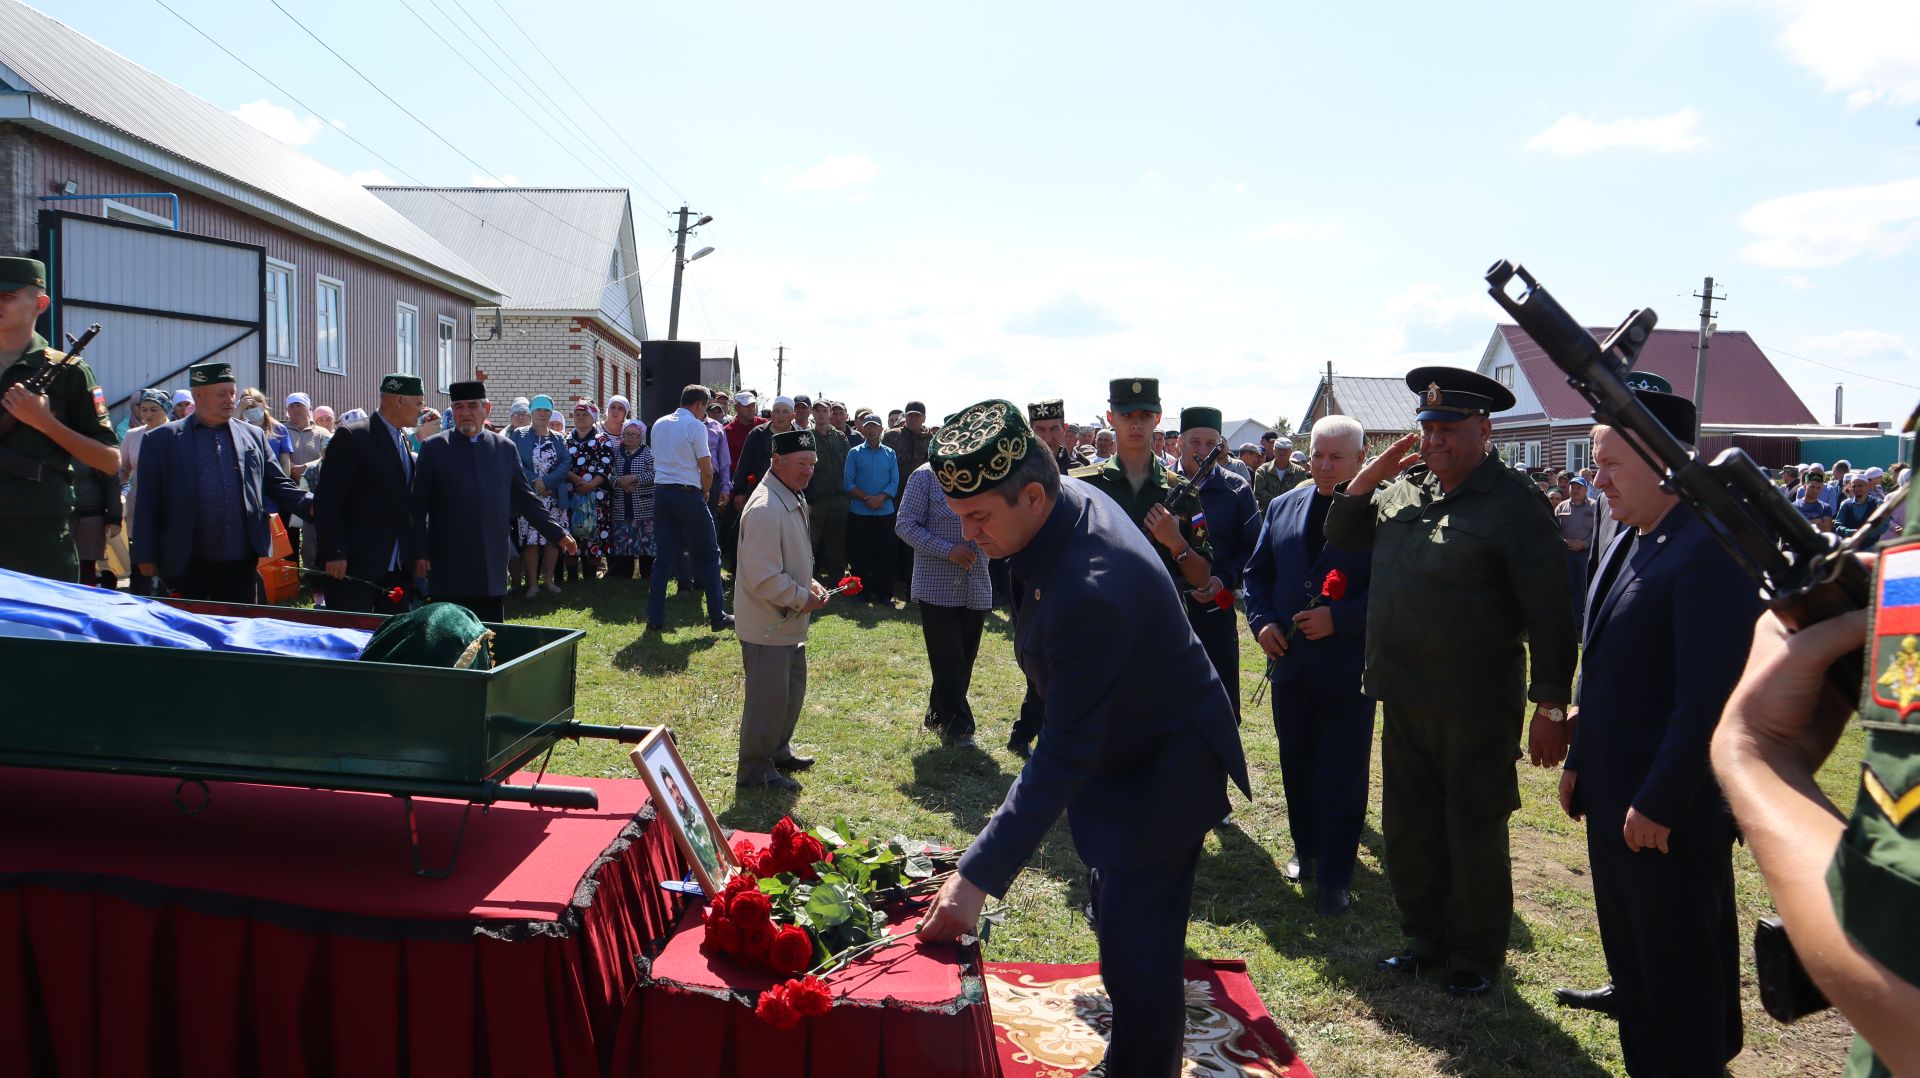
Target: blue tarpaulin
(47, 609)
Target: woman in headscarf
(152, 409)
(592, 453)
(619, 410)
(253, 409)
(323, 418)
(632, 503)
(545, 462)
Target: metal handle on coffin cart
(545, 796)
(626, 735)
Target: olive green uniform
(1875, 874)
(1273, 479)
(1463, 583)
(1111, 479)
(34, 535)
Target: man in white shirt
(683, 477)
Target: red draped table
(917, 1010)
(282, 931)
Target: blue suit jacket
(465, 496)
(169, 501)
(1233, 523)
(1281, 581)
(1664, 649)
(1140, 734)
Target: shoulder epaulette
(1087, 471)
(53, 355)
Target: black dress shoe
(1298, 870)
(1022, 749)
(794, 763)
(964, 741)
(1405, 962)
(1600, 999)
(723, 624)
(1462, 984)
(1333, 902)
(778, 782)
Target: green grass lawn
(884, 773)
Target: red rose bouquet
(1332, 590)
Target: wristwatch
(1554, 714)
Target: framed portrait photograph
(679, 805)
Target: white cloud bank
(831, 174)
(280, 122)
(370, 177)
(1572, 135)
(1834, 225)
(1866, 49)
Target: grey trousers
(776, 691)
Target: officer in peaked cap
(1137, 718)
(65, 422)
(1469, 583)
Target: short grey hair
(1340, 428)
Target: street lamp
(680, 261)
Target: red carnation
(850, 585)
(775, 1010)
(809, 996)
(791, 950)
(396, 594)
(1223, 598)
(755, 937)
(1334, 588)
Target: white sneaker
(533, 591)
(552, 588)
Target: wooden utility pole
(1700, 350)
(679, 264)
(780, 371)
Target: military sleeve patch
(99, 402)
(1893, 677)
(1896, 808)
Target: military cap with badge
(1451, 394)
(1129, 395)
(18, 273)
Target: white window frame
(290, 314)
(447, 350)
(1583, 459)
(1530, 454)
(406, 353)
(1504, 375)
(120, 211)
(321, 283)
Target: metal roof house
(573, 318)
(1382, 406)
(191, 235)
(1549, 426)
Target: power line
(464, 155)
(588, 102)
(1842, 370)
(377, 155)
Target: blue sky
(1024, 200)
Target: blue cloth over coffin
(50, 610)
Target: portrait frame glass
(687, 814)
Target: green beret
(1450, 394)
(980, 447)
(1128, 395)
(18, 273)
(793, 441)
(407, 385)
(207, 374)
(437, 634)
(1053, 409)
(1200, 417)
(465, 391)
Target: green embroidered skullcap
(437, 634)
(979, 447)
(1129, 395)
(18, 273)
(207, 374)
(1043, 410)
(793, 441)
(1199, 417)
(407, 385)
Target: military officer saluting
(1140, 482)
(68, 422)
(1469, 581)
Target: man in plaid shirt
(951, 585)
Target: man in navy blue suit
(205, 483)
(1139, 737)
(467, 488)
(365, 524)
(1323, 721)
(1669, 621)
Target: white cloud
(1572, 135)
(370, 177)
(1067, 314)
(338, 124)
(1866, 49)
(1799, 282)
(1152, 177)
(832, 174)
(280, 122)
(1227, 187)
(1298, 230)
(481, 179)
(1834, 225)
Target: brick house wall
(371, 294)
(562, 356)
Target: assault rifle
(34, 469)
(1806, 575)
(1191, 481)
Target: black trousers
(1667, 924)
(488, 608)
(953, 643)
(1325, 733)
(870, 548)
(1219, 633)
(216, 581)
(358, 598)
(1142, 925)
(1032, 707)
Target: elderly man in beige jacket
(774, 597)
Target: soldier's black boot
(1600, 999)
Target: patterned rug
(1052, 1022)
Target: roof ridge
(477, 188)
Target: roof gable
(54, 62)
(1742, 384)
(1377, 404)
